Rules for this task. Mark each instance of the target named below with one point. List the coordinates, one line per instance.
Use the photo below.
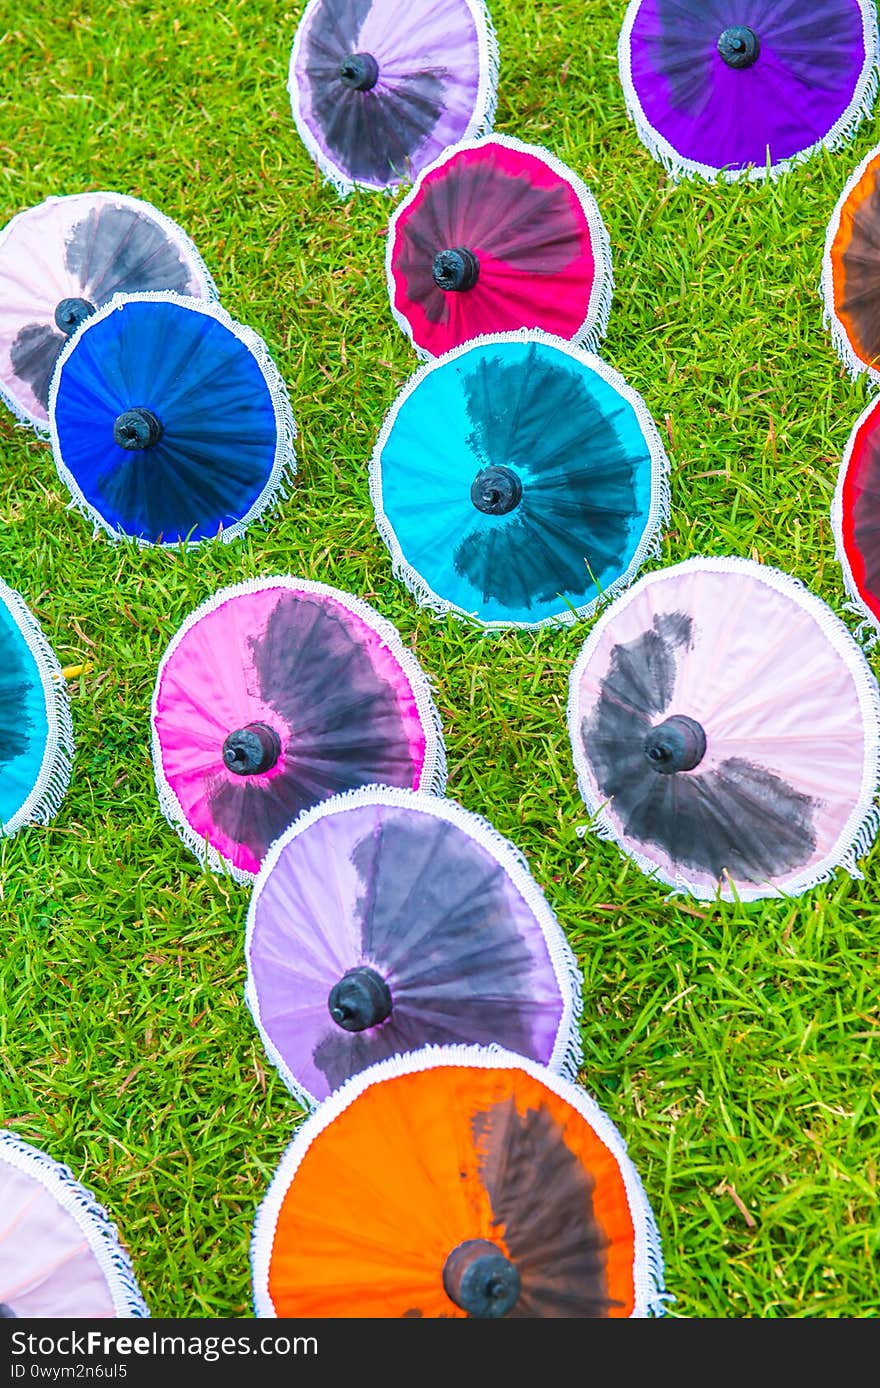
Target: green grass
(735, 1047)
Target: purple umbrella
(747, 87)
(386, 920)
(379, 89)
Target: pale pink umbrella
(60, 1255)
(724, 725)
(63, 259)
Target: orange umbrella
(457, 1181)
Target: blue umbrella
(170, 421)
(36, 737)
(518, 480)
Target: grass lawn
(735, 1047)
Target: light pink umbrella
(60, 1256)
(724, 725)
(63, 259)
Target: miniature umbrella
(544, 488)
(36, 736)
(457, 1181)
(724, 725)
(498, 235)
(170, 422)
(60, 1255)
(850, 285)
(385, 920)
(746, 87)
(64, 258)
(855, 514)
(379, 90)
(274, 695)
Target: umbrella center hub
(481, 1279)
(69, 313)
(359, 72)
(678, 744)
(360, 999)
(739, 46)
(496, 490)
(137, 428)
(456, 269)
(251, 750)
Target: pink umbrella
(63, 259)
(498, 235)
(274, 695)
(726, 731)
(60, 1255)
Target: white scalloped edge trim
(175, 233)
(432, 778)
(480, 122)
(649, 545)
(677, 166)
(283, 471)
(648, 1270)
(50, 787)
(860, 830)
(566, 1055)
(595, 324)
(867, 632)
(91, 1218)
(854, 364)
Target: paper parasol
(724, 725)
(516, 480)
(746, 87)
(498, 235)
(170, 422)
(850, 285)
(36, 735)
(380, 89)
(452, 1182)
(60, 1255)
(274, 695)
(67, 256)
(385, 920)
(855, 515)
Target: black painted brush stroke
(347, 727)
(738, 819)
(434, 918)
(372, 135)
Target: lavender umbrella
(747, 87)
(379, 89)
(386, 920)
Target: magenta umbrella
(60, 1255)
(498, 235)
(274, 695)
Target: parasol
(544, 488)
(746, 87)
(384, 920)
(724, 725)
(170, 422)
(379, 90)
(60, 1256)
(498, 235)
(67, 256)
(457, 1181)
(276, 694)
(36, 735)
(855, 515)
(850, 285)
